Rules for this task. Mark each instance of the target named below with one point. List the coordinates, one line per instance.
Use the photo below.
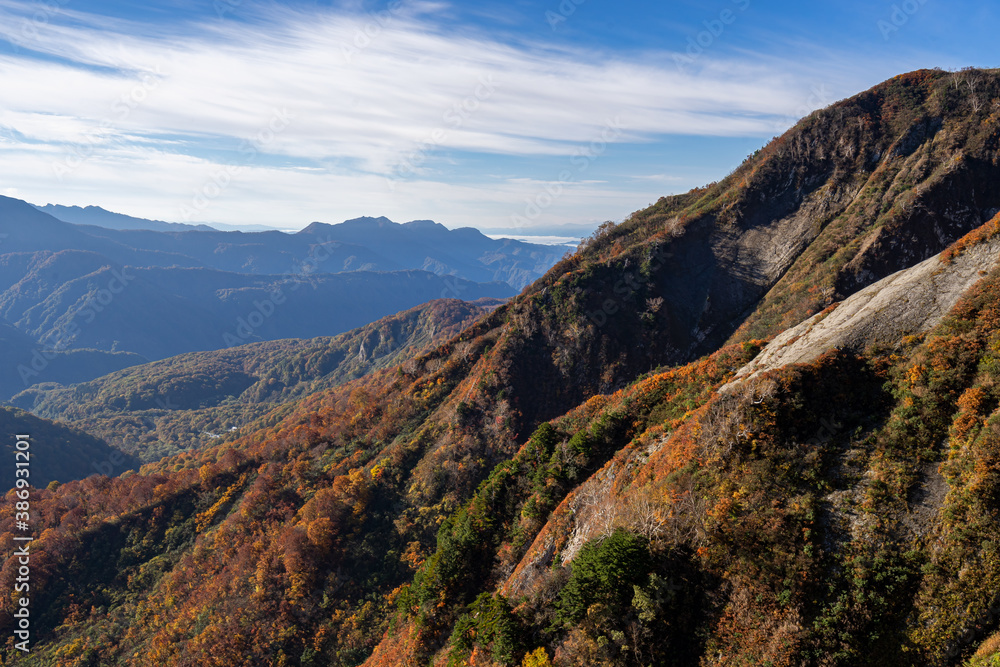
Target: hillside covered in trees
(193, 400)
(616, 467)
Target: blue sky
(515, 115)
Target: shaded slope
(26, 361)
(851, 194)
(57, 452)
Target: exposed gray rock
(906, 303)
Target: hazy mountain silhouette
(67, 288)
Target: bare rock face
(906, 303)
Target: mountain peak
(364, 222)
(314, 228)
(422, 225)
(380, 221)
(14, 212)
(12, 204)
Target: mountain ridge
(99, 217)
(476, 258)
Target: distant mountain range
(99, 217)
(79, 301)
(362, 244)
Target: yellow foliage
(988, 649)
(916, 374)
(537, 658)
(204, 519)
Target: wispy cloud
(362, 99)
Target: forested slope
(193, 400)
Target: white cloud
(159, 110)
